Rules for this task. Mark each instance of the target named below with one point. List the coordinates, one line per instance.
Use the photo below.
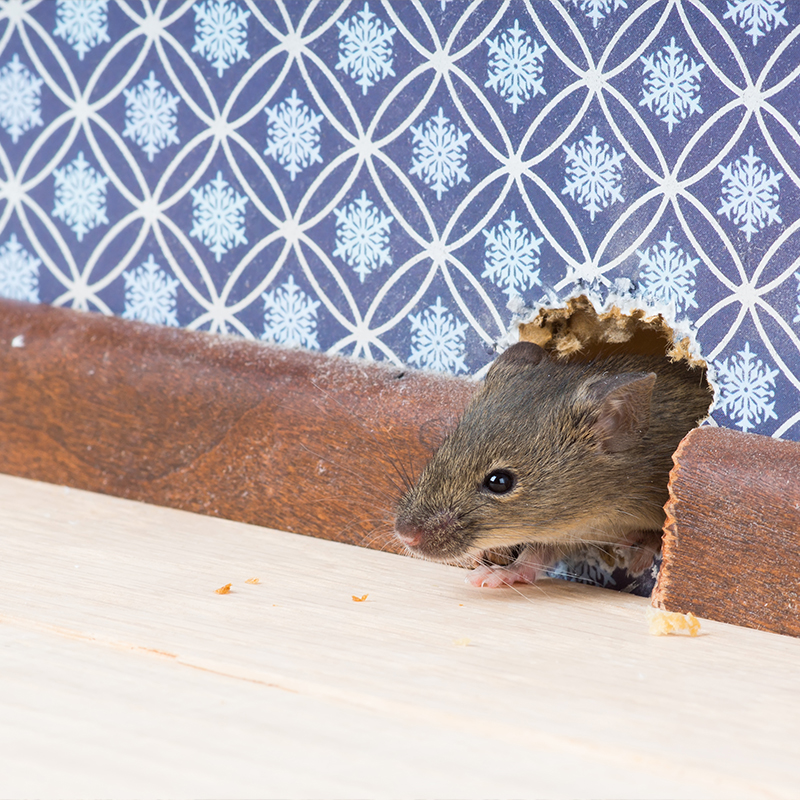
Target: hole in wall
(576, 330)
(587, 327)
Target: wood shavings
(361, 599)
(663, 623)
(223, 589)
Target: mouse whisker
(384, 538)
(477, 561)
(397, 463)
(390, 499)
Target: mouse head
(541, 450)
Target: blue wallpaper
(382, 178)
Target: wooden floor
(123, 673)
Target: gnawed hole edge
(577, 331)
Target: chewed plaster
(609, 317)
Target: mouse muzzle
(433, 538)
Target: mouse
(550, 457)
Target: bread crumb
(461, 642)
(360, 599)
(662, 623)
(223, 589)
(252, 580)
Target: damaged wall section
(576, 331)
(587, 326)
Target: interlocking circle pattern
(382, 178)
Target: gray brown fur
(540, 421)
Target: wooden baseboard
(224, 426)
(732, 535)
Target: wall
(380, 179)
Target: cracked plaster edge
(620, 299)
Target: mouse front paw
(495, 576)
(530, 565)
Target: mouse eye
(500, 481)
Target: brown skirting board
(257, 433)
(732, 536)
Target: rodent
(550, 456)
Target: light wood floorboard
(123, 674)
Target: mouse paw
(494, 576)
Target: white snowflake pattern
(511, 255)
(290, 316)
(593, 173)
(757, 17)
(439, 153)
(151, 116)
(597, 10)
(293, 134)
(150, 294)
(362, 236)
(80, 196)
(20, 99)
(365, 48)
(746, 388)
(797, 316)
(218, 216)
(515, 68)
(667, 272)
(220, 33)
(750, 195)
(671, 84)
(82, 24)
(19, 272)
(437, 339)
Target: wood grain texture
(732, 535)
(278, 437)
(125, 675)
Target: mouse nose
(409, 535)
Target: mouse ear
(518, 355)
(623, 409)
